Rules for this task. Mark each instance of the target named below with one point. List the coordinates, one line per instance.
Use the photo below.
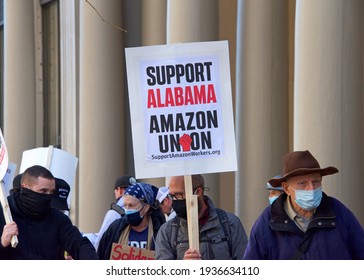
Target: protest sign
(4, 162)
(181, 114)
(8, 178)
(61, 163)
(124, 252)
(4, 157)
(181, 109)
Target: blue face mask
(272, 199)
(133, 216)
(310, 199)
(131, 211)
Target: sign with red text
(124, 252)
(4, 163)
(181, 109)
(4, 157)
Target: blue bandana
(141, 191)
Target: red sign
(124, 252)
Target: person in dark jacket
(303, 222)
(60, 196)
(59, 201)
(116, 208)
(16, 184)
(140, 224)
(221, 234)
(41, 230)
(274, 192)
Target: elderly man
(222, 236)
(305, 223)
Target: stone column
(101, 116)
(68, 76)
(153, 32)
(154, 18)
(20, 99)
(261, 102)
(227, 31)
(194, 21)
(328, 108)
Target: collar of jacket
(323, 217)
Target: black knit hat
(16, 183)
(59, 198)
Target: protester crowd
(300, 221)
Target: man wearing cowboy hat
(305, 223)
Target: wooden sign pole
(192, 214)
(4, 163)
(49, 157)
(7, 213)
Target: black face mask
(134, 219)
(180, 208)
(32, 204)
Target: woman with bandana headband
(140, 224)
(41, 229)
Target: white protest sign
(4, 162)
(181, 109)
(4, 157)
(8, 178)
(62, 164)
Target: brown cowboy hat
(300, 163)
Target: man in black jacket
(41, 230)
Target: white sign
(4, 157)
(62, 164)
(9, 177)
(4, 162)
(181, 109)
